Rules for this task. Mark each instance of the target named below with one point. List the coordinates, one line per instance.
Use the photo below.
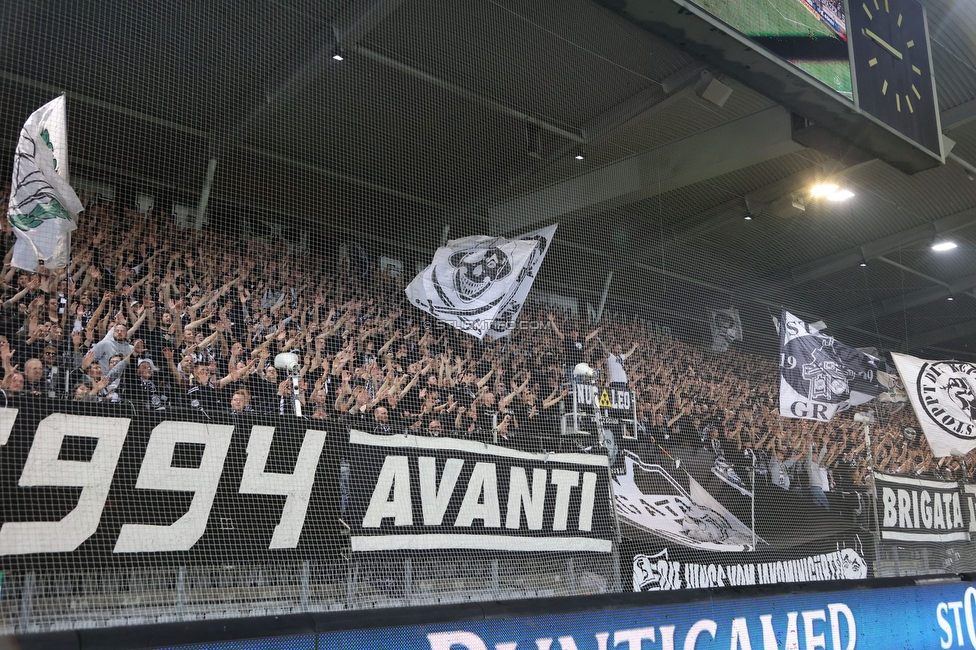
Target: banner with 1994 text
(92, 483)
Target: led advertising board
(931, 616)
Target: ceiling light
(748, 217)
(580, 156)
(840, 195)
(944, 245)
(823, 189)
(337, 54)
(950, 298)
(864, 263)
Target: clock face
(891, 64)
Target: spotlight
(823, 189)
(840, 195)
(944, 245)
(288, 362)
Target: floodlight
(288, 362)
(944, 245)
(823, 189)
(840, 195)
(583, 370)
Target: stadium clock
(892, 69)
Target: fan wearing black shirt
(574, 349)
(203, 391)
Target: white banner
(508, 312)
(471, 280)
(943, 394)
(42, 206)
(648, 498)
(606, 398)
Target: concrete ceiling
(468, 116)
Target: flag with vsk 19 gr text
(819, 375)
(42, 206)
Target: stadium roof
(467, 117)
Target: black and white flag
(726, 328)
(508, 312)
(649, 499)
(472, 280)
(943, 394)
(819, 375)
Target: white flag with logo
(509, 312)
(42, 206)
(470, 280)
(943, 394)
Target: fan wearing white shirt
(615, 364)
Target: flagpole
(874, 494)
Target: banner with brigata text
(918, 510)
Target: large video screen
(810, 34)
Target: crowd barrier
(113, 514)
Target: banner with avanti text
(426, 493)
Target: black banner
(919, 510)
(426, 493)
(655, 567)
(695, 499)
(107, 483)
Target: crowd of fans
(162, 317)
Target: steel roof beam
(853, 256)
(358, 19)
(958, 115)
(747, 141)
(948, 333)
(904, 302)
